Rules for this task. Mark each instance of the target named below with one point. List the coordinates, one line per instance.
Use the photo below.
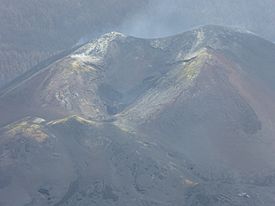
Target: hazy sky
(167, 17)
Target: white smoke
(167, 17)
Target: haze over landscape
(140, 103)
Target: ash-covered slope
(184, 120)
(74, 161)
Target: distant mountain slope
(32, 31)
(183, 120)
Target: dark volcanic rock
(184, 120)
